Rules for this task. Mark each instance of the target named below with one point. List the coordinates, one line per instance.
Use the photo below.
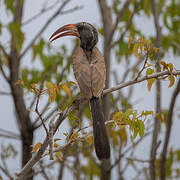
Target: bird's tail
(101, 141)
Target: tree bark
(22, 115)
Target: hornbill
(90, 73)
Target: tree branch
(74, 106)
(158, 91)
(128, 83)
(119, 16)
(168, 132)
(41, 151)
(44, 27)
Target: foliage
(49, 75)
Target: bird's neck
(88, 55)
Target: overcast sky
(89, 13)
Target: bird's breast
(89, 70)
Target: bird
(90, 73)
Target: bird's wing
(98, 72)
(82, 72)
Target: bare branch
(127, 25)
(147, 55)
(176, 45)
(41, 151)
(1, 63)
(9, 134)
(128, 83)
(158, 91)
(127, 150)
(6, 173)
(58, 12)
(119, 16)
(43, 10)
(74, 106)
(39, 114)
(5, 93)
(168, 132)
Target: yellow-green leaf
(171, 80)
(101, 31)
(150, 83)
(66, 89)
(10, 5)
(131, 40)
(51, 91)
(36, 147)
(17, 34)
(117, 116)
(149, 71)
(135, 50)
(90, 140)
(59, 155)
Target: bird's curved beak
(67, 30)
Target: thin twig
(128, 25)
(38, 113)
(155, 135)
(43, 10)
(119, 16)
(51, 130)
(74, 106)
(138, 160)
(58, 12)
(168, 131)
(128, 83)
(5, 93)
(144, 66)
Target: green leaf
(38, 49)
(17, 34)
(127, 114)
(10, 5)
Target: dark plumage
(90, 73)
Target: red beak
(68, 30)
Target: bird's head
(87, 34)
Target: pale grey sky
(89, 13)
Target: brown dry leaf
(57, 88)
(36, 147)
(171, 80)
(155, 49)
(66, 89)
(19, 82)
(57, 139)
(158, 115)
(165, 66)
(56, 145)
(170, 65)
